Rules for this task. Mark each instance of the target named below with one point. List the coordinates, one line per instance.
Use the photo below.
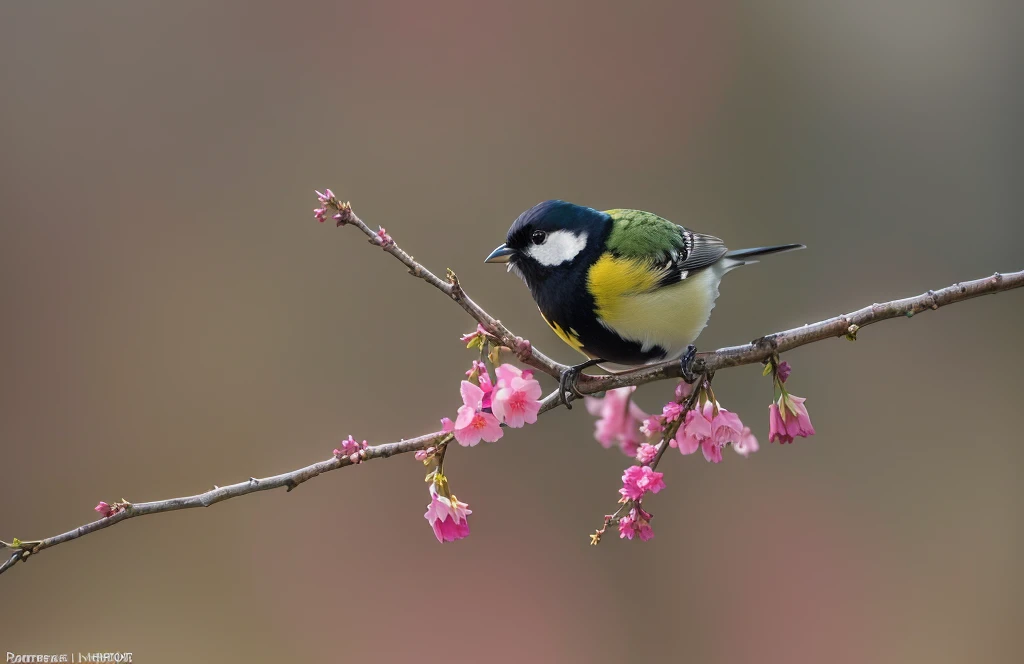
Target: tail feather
(746, 256)
(763, 251)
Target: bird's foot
(686, 364)
(567, 390)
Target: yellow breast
(629, 302)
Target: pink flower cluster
(638, 480)
(449, 517)
(787, 417)
(710, 431)
(636, 523)
(514, 401)
(351, 448)
(618, 420)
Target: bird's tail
(745, 256)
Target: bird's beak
(500, 255)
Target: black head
(550, 238)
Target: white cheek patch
(560, 247)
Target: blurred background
(174, 318)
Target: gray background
(174, 318)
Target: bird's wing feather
(670, 251)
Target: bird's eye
(538, 237)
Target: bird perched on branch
(624, 287)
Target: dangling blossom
(449, 517)
(479, 371)
(783, 370)
(709, 431)
(517, 397)
(637, 522)
(747, 443)
(788, 419)
(638, 480)
(619, 420)
(473, 424)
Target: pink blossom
(746, 444)
(104, 509)
(506, 372)
(517, 400)
(320, 214)
(476, 334)
(477, 368)
(325, 197)
(683, 390)
(619, 420)
(626, 527)
(638, 480)
(472, 424)
(340, 218)
(783, 370)
(447, 426)
(484, 379)
(646, 453)
(636, 524)
(652, 425)
(383, 238)
(349, 446)
(671, 411)
(449, 517)
(788, 419)
(777, 426)
(709, 431)
(696, 429)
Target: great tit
(623, 287)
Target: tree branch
(759, 350)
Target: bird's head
(550, 238)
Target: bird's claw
(567, 390)
(686, 364)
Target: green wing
(644, 235)
(671, 250)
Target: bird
(626, 288)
